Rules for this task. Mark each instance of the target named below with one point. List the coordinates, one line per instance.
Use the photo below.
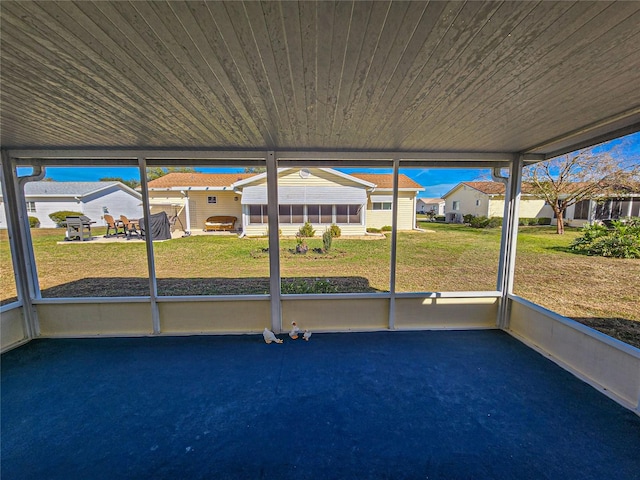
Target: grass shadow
(139, 287)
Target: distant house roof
(172, 180)
(69, 189)
(431, 200)
(385, 180)
(489, 188)
(198, 179)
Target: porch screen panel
(600, 292)
(313, 213)
(326, 214)
(218, 261)
(351, 264)
(8, 292)
(439, 256)
(100, 256)
(635, 207)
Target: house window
(31, 207)
(382, 205)
(348, 214)
(297, 214)
(313, 213)
(212, 199)
(581, 210)
(326, 213)
(456, 205)
(284, 213)
(258, 214)
(477, 203)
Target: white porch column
(506, 269)
(151, 263)
(274, 243)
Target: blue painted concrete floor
(428, 405)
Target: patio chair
(113, 226)
(130, 228)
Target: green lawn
(442, 258)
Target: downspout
(27, 273)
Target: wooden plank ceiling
(403, 76)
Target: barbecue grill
(78, 228)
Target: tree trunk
(560, 222)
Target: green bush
(306, 230)
(479, 222)
(484, 222)
(61, 217)
(327, 238)
(373, 230)
(440, 218)
(335, 230)
(467, 218)
(34, 222)
(300, 286)
(524, 221)
(544, 221)
(386, 228)
(622, 240)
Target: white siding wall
(468, 197)
(226, 204)
(529, 208)
(117, 201)
(381, 218)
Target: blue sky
(436, 181)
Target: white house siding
(316, 178)
(117, 202)
(200, 209)
(468, 197)
(406, 213)
(529, 208)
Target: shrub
(34, 222)
(484, 222)
(622, 240)
(527, 221)
(386, 228)
(327, 238)
(495, 222)
(544, 221)
(440, 218)
(479, 222)
(306, 230)
(299, 286)
(61, 217)
(467, 218)
(373, 230)
(335, 230)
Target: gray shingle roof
(65, 188)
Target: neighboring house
(434, 206)
(92, 199)
(321, 196)
(487, 199)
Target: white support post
(187, 213)
(153, 283)
(274, 242)
(394, 247)
(508, 246)
(21, 246)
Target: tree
(132, 182)
(255, 169)
(157, 172)
(585, 174)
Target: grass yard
(601, 292)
